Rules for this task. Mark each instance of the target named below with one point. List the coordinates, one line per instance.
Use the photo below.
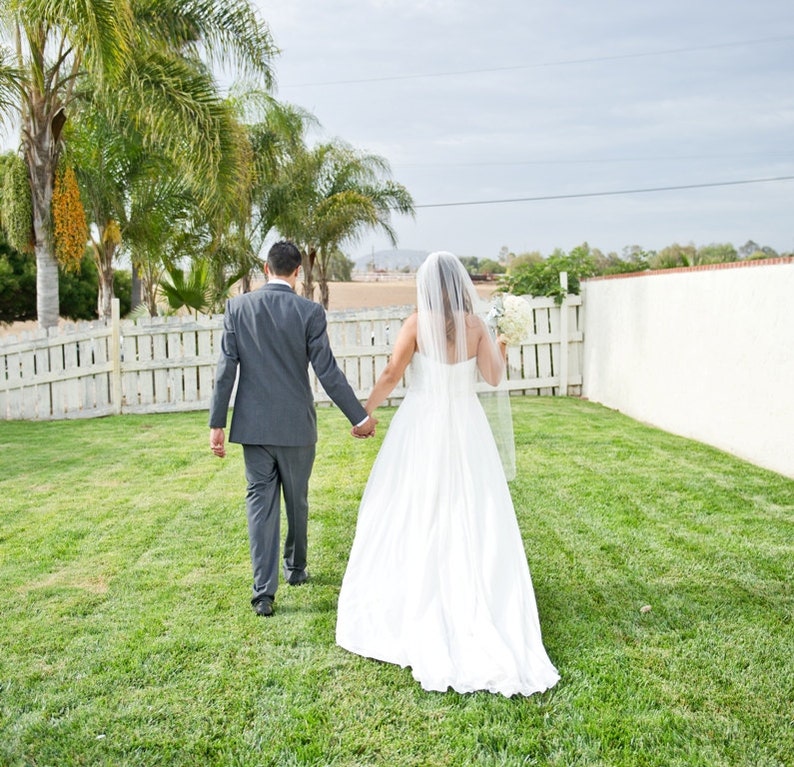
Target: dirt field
(344, 295)
(365, 295)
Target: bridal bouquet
(511, 317)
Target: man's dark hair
(283, 258)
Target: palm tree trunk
(322, 277)
(137, 287)
(104, 264)
(47, 303)
(309, 257)
(150, 279)
(105, 274)
(325, 294)
(151, 299)
(41, 156)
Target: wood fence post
(115, 354)
(562, 390)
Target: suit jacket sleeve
(327, 369)
(225, 373)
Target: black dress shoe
(263, 607)
(296, 577)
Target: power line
(594, 160)
(545, 64)
(605, 194)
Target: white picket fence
(163, 365)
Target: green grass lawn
(126, 635)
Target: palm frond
(11, 81)
(100, 31)
(192, 290)
(175, 104)
(226, 32)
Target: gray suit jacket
(272, 335)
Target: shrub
(542, 278)
(17, 284)
(78, 290)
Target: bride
(438, 578)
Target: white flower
(511, 316)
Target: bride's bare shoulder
(410, 327)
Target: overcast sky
(480, 100)
(474, 101)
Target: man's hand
(217, 438)
(367, 429)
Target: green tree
(17, 284)
(716, 253)
(336, 194)
(471, 263)
(77, 290)
(53, 44)
(340, 267)
(277, 134)
(180, 175)
(748, 249)
(517, 262)
(542, 278)
(765, 252)
(489, 266)
(673, 256)
(633, 259)
(140, 57)
(139, 199)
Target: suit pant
(269, 471)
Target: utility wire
(541, 65)
(605, 194)
(593, 160)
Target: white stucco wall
(707, 353)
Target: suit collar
(278, 285)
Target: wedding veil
(447, 304)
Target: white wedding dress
(438, 578)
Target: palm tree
(54, 43)
(162, 219)
(276, 133)
(149, 63)
(157, 241)
(105, 160)
(338, 194)
(293, 198)
(138, 193)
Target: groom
(271, 335)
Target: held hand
(367, 429)
(217, 438)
